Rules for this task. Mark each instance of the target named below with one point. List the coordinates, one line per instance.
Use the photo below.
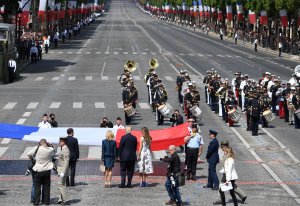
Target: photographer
(52, 120)
(176, 118)
(106, 124)
(42, 170)
(174, 170)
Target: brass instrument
(153, 63)
(130, 66)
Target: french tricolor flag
(252, 17)
(283, 16)
(229, 12)
(161, 139)
(195, 8)
(263, 18)
(239, 9)
(42, 9)
(220, 15)
(25, 6)
(183, 8)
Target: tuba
(153, 63)
(130, 66)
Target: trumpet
(130, 66)
(153, 63)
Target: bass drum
(234, 115)
(268, 115)
(163, 109)
(129, 111)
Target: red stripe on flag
(161, 139)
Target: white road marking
(21, 121)
(238, 56)
(181, 54)
(168, 78)
(153, 53)
(39, 79)
(77, 105)
(70, 52)
(104, 77)
(87, 52)
(191, 67)
(99, 105)
(60, 52)
(229, 56)
(55, 78)
(62, 75)
(169, 106)
(125, 52)
(32, 105)
(78, 52)
(72, 78)
(2, 151)
(106, 53)
(10, 105)
(144, 53)
(192, 55)
(89, 78)
(116, 52)
(120, 105)
(200, 55)
(55, 105)
(94, 153)
(219, 55)
(144, 105)
(134, 53)
(98, 52)
(118, 77)
(26, 114)
(137, 78)
(5, 141)
(24, 154)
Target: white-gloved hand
(61, 175)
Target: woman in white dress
(144, 165)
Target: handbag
(102, 167)
(33, 160)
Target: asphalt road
(78, 82)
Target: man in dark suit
(127, 152)
(212, 157)
(73, 146)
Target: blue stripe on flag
(16, 131)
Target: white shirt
(270, 84)
(55, 37)
(43, 124)
(118, 126)
(255, 41)
(279, 45)
(229, 169)
(242, 85)
(12, 63)
(46, 41)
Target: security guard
(194, 150)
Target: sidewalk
(246, 44)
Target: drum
(297, 113)
(268, 115)
(234, 115)
(196, 111)
(129, 111)
(163, 109)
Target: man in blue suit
(127, 152)
(212, 157)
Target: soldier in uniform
(248, 98)
(192, 98)
(160, 97)
(206, 80)
(125, 77)
(146, 78)
(153, 81)
(254, 105)
(285, 93)
(265, 105)
(231, 103)
(127, 99)
(179, 81)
